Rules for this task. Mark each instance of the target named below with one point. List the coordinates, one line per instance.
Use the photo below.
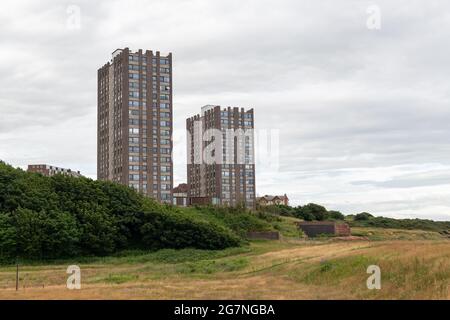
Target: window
(164, 106)
(133, 177)
(133, 57)
(165, 196)
(133, 131)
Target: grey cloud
(411, 180)
(345, 99)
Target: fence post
(17, 275)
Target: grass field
(414, 265)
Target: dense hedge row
(408, 224)
(308, 212)
(45, 218)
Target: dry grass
(395, 234)
(270, 270)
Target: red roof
(271, 198)
(181, 188)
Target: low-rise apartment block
(49, 170)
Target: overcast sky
(362, 113)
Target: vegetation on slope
(47, 218)
(367, 220)
(315, 212)
(308, 212)
(239, 219)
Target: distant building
(48, 170)
(315, 228)
(273, 200)
(221, 166)
(180, 195)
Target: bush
(336, 215)
(173, 230)
(281, 210)
(311, 212)
(363, 216)
(238, 219)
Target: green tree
(363, 216)
(336, 215)
(313, 211)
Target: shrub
(173, 230)
(363, 216)
(311, 212)
(240, 219)
(336, 215)
(281, 210)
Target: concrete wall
(315, 228)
